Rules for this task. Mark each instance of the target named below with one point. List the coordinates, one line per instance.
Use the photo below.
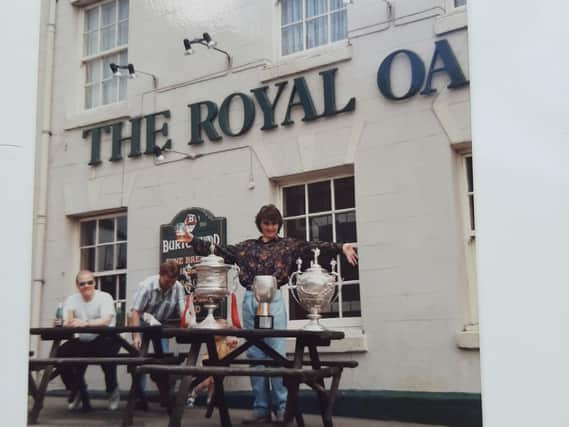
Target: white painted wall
(410, 243)
(521, 153)
(17, 119)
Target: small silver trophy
(314, 289)
(264, 289)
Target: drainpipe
(40, 218)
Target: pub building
(352, 117)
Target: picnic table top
(170, 331)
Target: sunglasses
(88, 282)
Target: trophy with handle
(264, 289)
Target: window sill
(309, 60)
(83, 3)
(97, 115)
(452, 21)
(354, 342)
(469, 340)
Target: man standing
(89, 307)
(160, 296)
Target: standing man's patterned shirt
(149, 298)
(276, 257)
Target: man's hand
(78, 323)
(136, 341)
(350, 253)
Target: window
(306, 24)
(459, 3)
(105, 39)
(103, 245)
(467, 196)
(325, 210)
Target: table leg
(292, 407)
(40, 392)
(219, 397)
(180, 402)
(332, 395)
(135, 390)
(322, 397)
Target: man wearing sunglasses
(89, 307)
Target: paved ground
(55, 413)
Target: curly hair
(169, 268)
(269, 213)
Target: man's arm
(134, 320)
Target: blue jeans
(269, 394)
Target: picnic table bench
(131, 359)
(294, 372)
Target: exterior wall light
(115, 68)
(207, 41)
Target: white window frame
(333, 323)
(101, 55)
(305, 51)
(469, 241)
(106, 273)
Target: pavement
(55, 413)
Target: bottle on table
(59, 315)
(118, 313)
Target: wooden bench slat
(270, 362)
(239, 372)
(69, 361)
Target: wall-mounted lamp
(115, 68)
(167, 147)
(207, 41)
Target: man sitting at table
(89, 307)
(159, 295)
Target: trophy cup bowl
(212, 286)
(264, 288)
(314, 290)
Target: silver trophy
(314, 289)
(264, 288)
(212, 285)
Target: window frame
(101, 55)
(469, 240)
(308, 51)
(335, 322)
(106, 273)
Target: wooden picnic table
(57, 335)
(294, 371)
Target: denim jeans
(269, 394)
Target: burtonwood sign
(206, 117)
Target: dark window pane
(105, 256)
(121, 255)
(351, 306)
(121, 228)
(88, 233)
(294, 201)
(108, 284)
(469, 175)
(122, 286)
(321, 228)
(295, 228)
(346, 227)
(344, 193)
(106, 230)
(319, 199)
(296, 311)
(471, 208)
(332, 309)
(88, 259)
(347, 270)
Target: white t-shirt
(101, 305)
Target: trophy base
(314, 324)
(209, 322)
(263, 322)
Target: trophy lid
(212, 260)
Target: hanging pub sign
(203, 225)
